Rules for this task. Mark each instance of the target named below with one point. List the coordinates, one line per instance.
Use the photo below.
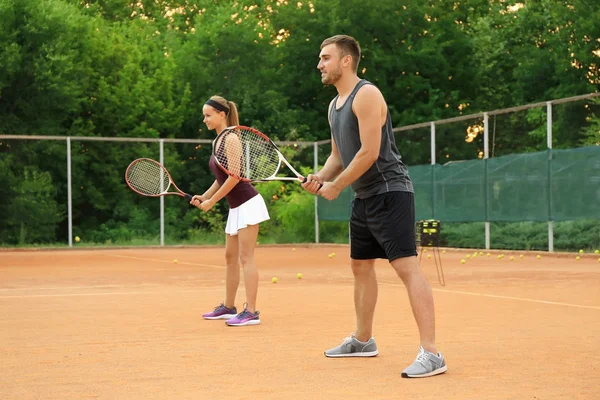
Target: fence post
(316, 166)
(69, 193)
(432, 133)
(486, 155)
(549, 144)
(161, 143)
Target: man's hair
(348, 46)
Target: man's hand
(313, 184)
(330, 191)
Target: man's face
(330, 64)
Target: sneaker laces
(348, 338)
(246, 312)
(422, 357)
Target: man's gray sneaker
(352, 347)
(426, 364)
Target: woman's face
(212, 118)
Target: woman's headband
(217, 105)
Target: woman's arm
(211, 190)
(233, 148)
(225, 188)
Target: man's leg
(393, 224)
(364, 249)
(421, 299)
(365, 297)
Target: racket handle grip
(188, 197)
(305, 179)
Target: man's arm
(367, 107)
(332, 167)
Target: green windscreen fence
(576, 183)
(558, 185)
(518, 187)
(338, 209)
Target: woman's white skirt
(252, 212)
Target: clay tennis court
(126, 324)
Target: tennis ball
(444, 251)
(499, 257)
(293, 249)
(77, 239)
(597, 251)
(577, 258)
(299, 275)
(599, 260)
(463, 261)
(175, 261)
(511, 258)
(538, 257)
(488, 254)
(424, 250)
(333, 254)
(274, 279)
(428, 255)
(468, 256)
(481, 253)
(581, 251)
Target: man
(382, 225)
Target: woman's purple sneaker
(221, 312)
(244, 318)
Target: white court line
(165, 261)
(24, 296)
(73, 294)
(493, 296)
(207, 289)
(63, 287)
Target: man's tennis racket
(249, 155)
(150, 178)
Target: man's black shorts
(383, 226)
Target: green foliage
(32, 213)
(592, 131)
(117, 68)
(292, 213)
(334, 232)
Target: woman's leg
(247, 243)
(232, 273)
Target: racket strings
(148, 177)
(247, 155)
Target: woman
(246, 210)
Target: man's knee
(406, 267)
(362, 268)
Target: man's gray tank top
(388, 173)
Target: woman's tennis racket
(249, 155)
(150, 178)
